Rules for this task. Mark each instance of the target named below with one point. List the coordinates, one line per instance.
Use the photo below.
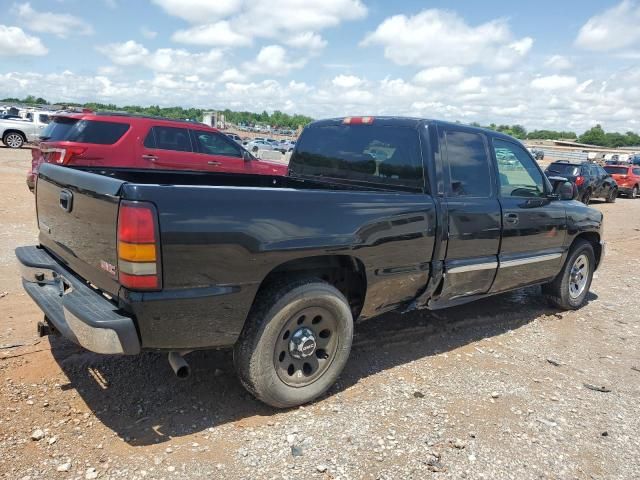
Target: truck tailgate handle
(511, 218)
(66, 200)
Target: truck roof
(406, 122)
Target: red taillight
(138, 252)
(358, 120)
(579, 180)
(71, 152)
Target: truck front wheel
(295, 342)
(569, 289)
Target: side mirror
(246, 156)
(566, 190)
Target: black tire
(634, 192)
(586, 197)
(263, 357)
(559, 292)
(613, 194)
(13, 139)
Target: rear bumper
(77, 311)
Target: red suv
(627, 178)
(131, 141)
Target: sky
(564, 65)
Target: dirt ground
(493, 390)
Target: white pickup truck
(15, 132)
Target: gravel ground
(503, 388)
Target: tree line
(594, 136)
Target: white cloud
(231, 75)
(306, 40)
(558, 62)
(554, 82)
(236, 22)
(272, 60)
(442, 38)
(212, 34)
(148, 33)
(439, 75)
(199, 11)
(347, 81)
(59, 24)
(165, 60)
(612, 29)
(15, 42)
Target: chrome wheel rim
(578, 276)
(14, 140)
(306, 346)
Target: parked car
(259, 144)
(132, 141)
(634, 159)
(591, 180)
(235, 137)
(16, 132)
(279, 268)
(627, 177)
(537, 153)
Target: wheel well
(594, 239)
(8, 131)
(344, 272)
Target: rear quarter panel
(231, 238)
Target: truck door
(533, 226)
(473, 213)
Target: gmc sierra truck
(376, 214)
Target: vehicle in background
(118, 140)
(259, 144)
(10, 116)
(591, 180)
(15, 132)
(235, 137)
(634, 159)
(537, 153)
(281, 268)
(627, 177)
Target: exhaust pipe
(179, 365)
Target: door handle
(511, 218)
(215, 164)
(151, 158)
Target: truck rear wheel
(569, 289)
(295, 342)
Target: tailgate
(77, 219)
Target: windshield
(563, 169)
(616, 170)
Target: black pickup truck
(376, 214)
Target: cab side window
(518, 173)
(636, 171)
(469, 170)
(169, 138)
(215, 144)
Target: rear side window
(372, 154)
(84, 131)
(58, 129)
(636, 171)
(469, 169)
(94, 131)
(169, 138)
